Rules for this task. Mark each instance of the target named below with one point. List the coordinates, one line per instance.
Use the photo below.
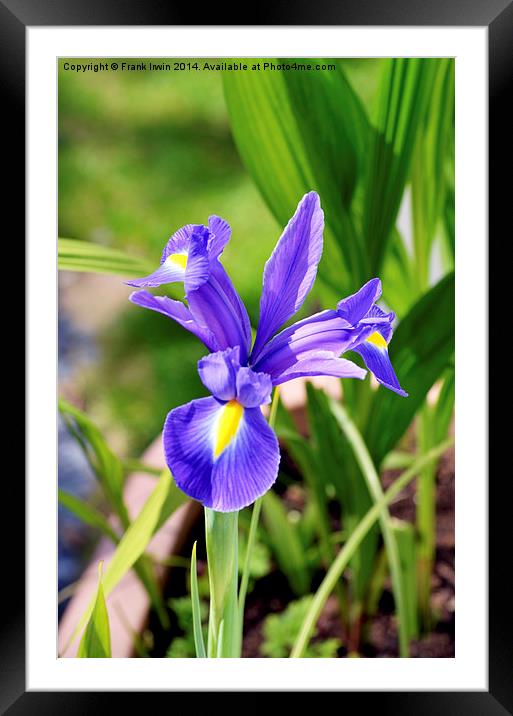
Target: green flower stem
(221, 531)
(346, 553)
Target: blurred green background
(141, 154)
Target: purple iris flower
(221, 449)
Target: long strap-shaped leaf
(75, 255)
(344, 556)
(374, 485)
(95, 643)
(132, 544)
(404, 95)
(431, 166)
(301, 131)
(196, 609)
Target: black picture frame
(497, 16)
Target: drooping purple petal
(220, 235)
(178, 312)
(218, 373)
(187, 255)
(216, 304)
(168, 272)
(321, 363)
(243, 471)
(248, 467)
(381, 320)
(253, 389)
(375, 355)
(187, 436)
(291, 269)
(355, 307)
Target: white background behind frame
(468, 670)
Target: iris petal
(179, 242)
(218, 373)
(378, 362)
(220, 235)
(178, 312)
(324, 331)
(168, 272)
(290, 272)
(355, 307)
(244, 470)
(253, 389)
(198, 267)
(216, 304)
(321, 363)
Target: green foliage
(106, 466)
(199, 640)
(89, 257)
(404, 95)
(431, 169)
(406, 539)
(183, 647)
(87, 514)
(224, 625)
(109, 471)
(302, 131)
(133, 543)
(345, 555)
(260, 558)
(280, 631)
(373, 483)
(95, 642)
(309, 130)
(284, 537)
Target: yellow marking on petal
(377, 340)
(178, 259)
(227, 425)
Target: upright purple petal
(243, 471)
(290, 272)
(355, 307)
(216, 304)
(218, 373)
(321, 363)
(220, 235)
(178, 312)
(187, 256)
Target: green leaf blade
(196, 609)
(95, 642)
(76, 255)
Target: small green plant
(182, 647)
(280, 631)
